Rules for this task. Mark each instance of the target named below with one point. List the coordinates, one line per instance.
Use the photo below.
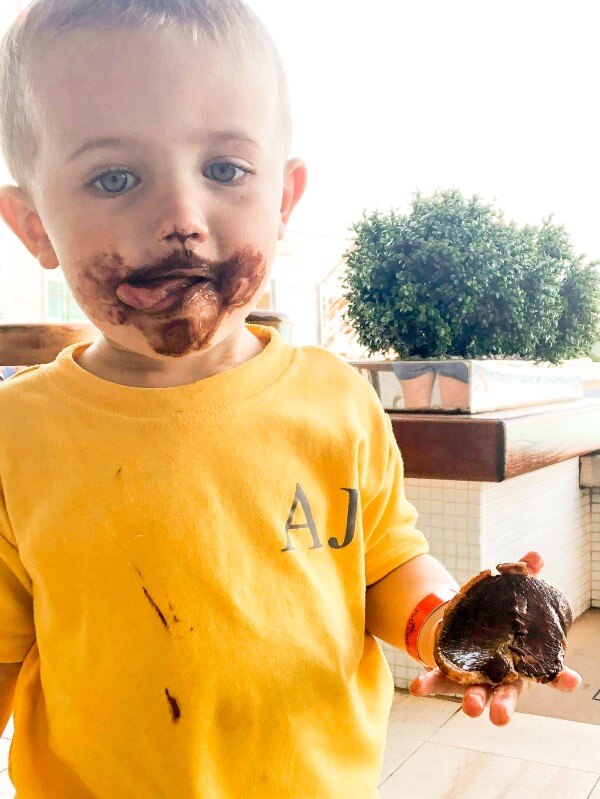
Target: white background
(495, 98)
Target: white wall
(496, 98)
(595, 529)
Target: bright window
(61, 305)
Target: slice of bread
(503, 627)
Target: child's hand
(503, 698)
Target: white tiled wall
(475, 526)
(595, 536)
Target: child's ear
(20, 215)
(294, 183)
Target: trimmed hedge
(454, 278)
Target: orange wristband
(419, 616)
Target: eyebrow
(105, 142)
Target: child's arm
(8, 680)
(389, 603)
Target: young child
(202, 528)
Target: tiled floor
(435, 752)
(6, 789)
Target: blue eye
(224, 172)
(115, 181)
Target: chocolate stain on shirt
(176, 712)
(147, 594)
(171, 608)
(155, 606)
(177, 331)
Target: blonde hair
(230, 23)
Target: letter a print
(300, 497)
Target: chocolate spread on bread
(502, 627)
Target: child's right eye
(114, 181)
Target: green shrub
(454, 278)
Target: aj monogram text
(300, 498)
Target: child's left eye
(225, 172)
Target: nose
(183, 213)
(182, 237)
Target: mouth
(163, 292)
(198, 273)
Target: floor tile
(595, 794)
(419, 717)
(396, 753)
(7, 790)
(9, 729)
(436, 771)
(552, 741)
(412, 720)
(4, 747)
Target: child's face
(178, 196)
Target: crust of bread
(463, 677)
(520, 567)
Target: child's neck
(112, 362)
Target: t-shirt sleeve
(17, 631)
(389, 519)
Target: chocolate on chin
(503, 627)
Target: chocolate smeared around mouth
(502, 627)
(178, 304)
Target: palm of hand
(502, 699)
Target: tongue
(152, 293)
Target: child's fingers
(434, 682)
(425, 684)
(504, 702)
(535, 563)
(568, 680)
(475, 700)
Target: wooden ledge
(492, 447)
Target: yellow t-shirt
(183, 574)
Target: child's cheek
(174, 332)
